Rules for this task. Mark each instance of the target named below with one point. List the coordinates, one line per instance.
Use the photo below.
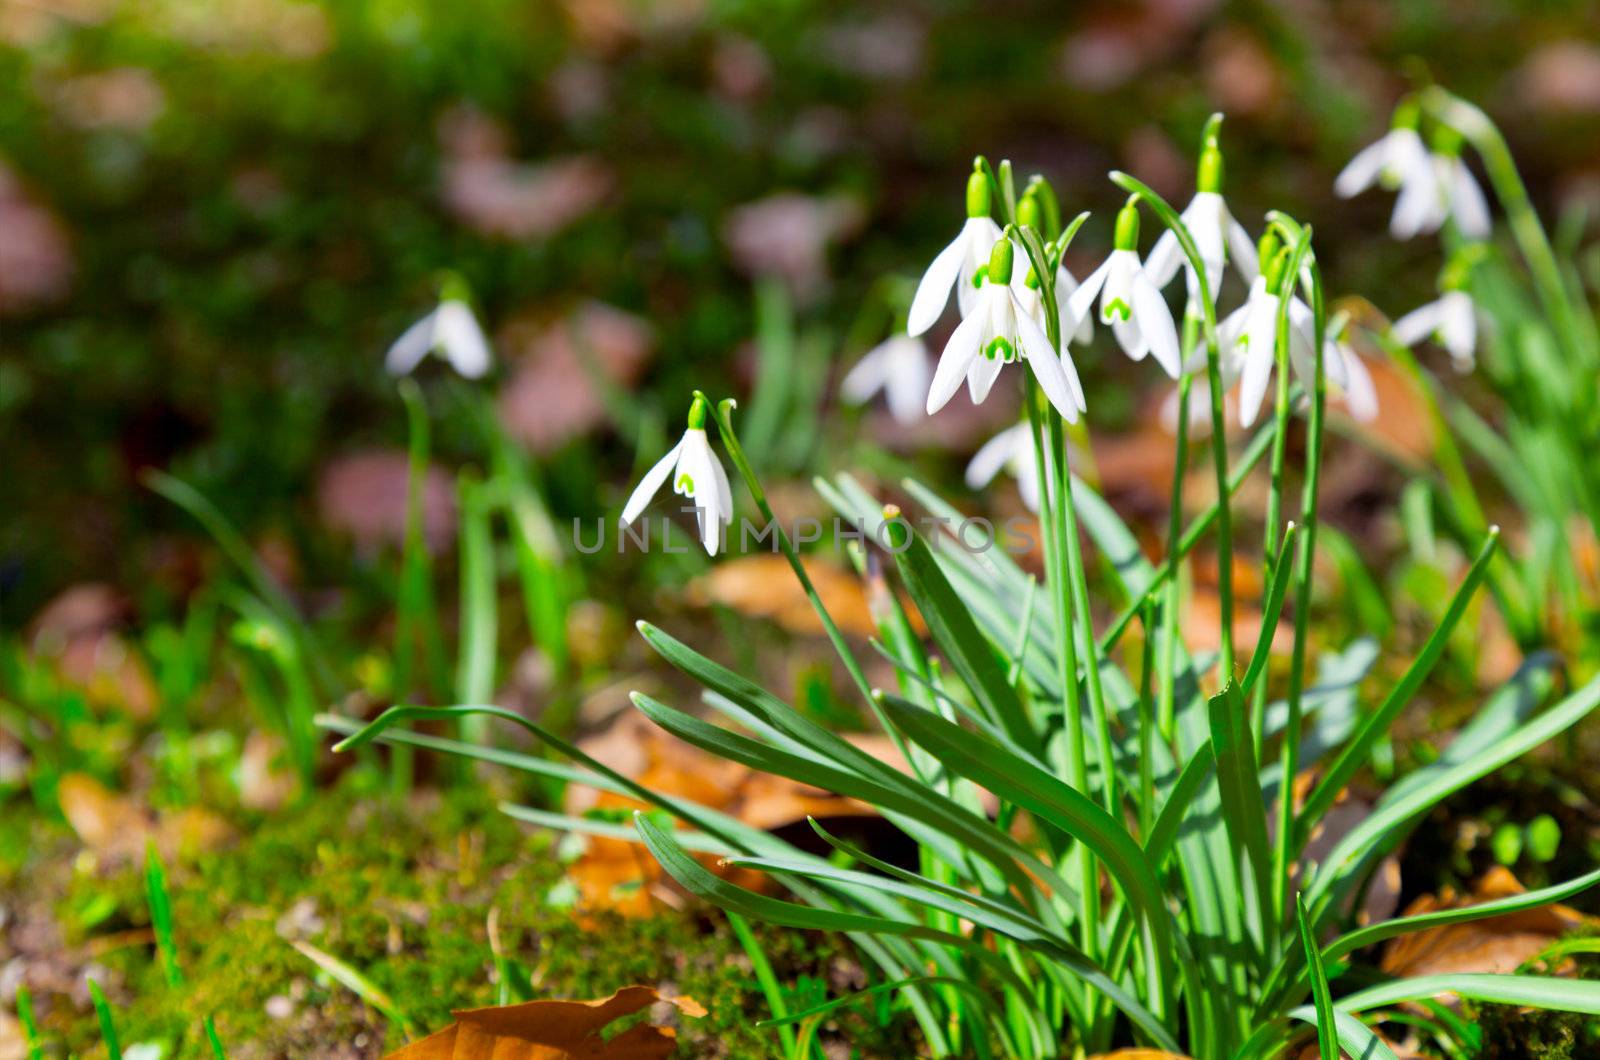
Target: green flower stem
(1166, 712)
(418, 617)
(1280, 353)
(1191, 537)
(1481, 132)
(730, 440)
(1289, 751)
(1219, 444)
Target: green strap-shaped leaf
(1244, 810)
(1536, 991)
(1018, 780)
(950, 622)
(730, 896)
(1326, 1043)
(1355, 753)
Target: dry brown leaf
(617, 875)
(1497, 945)
(554, 1030)
(764, 586)
(116, 828)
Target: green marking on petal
(1001, 350)
(1117, 307)
(685, 483)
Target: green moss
(401, 892)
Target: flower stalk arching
(1219, 448)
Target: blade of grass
(1327, 1045)
(357, 983)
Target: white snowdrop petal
(981, 377)
(1155, 323)
(411, 347)
(1082, 300)
(956, 359)
(869, 375)
(1361, 171)
(933, 291)
(1467, 203)
(1417, 324)
(1243, 250)
(992, 456)
(1164, 258)
(1360, 396)
(650, 485)
(462, 339)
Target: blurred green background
(216, 214)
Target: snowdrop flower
(1339, 358)
(1397, 160)
(1248, 338)
(959, 263)
(996, 331)
(898, 367)
(695, 473)
(1010, 450)
(1451, 320)
(1129, 301)
(449, 330)
(1216, 234)
(1458, 195)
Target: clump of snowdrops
(1161, 893)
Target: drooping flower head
(1129, 301)
(1398, 161)
(958, 265)
(898, 367)
(1248, 338)
(1451, 320)
(995, 331)
(1360, 396)
(1217, 236)
(695, 473)
(450, 330)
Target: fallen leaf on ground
(764, 586)
(1497, 945)
(618, 875)
(118, 829)
(554, 1030)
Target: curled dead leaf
(621, 876)
(555, 1030)
(1497, 945)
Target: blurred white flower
(695, 473)
(1450, 320)
(449, 330)
(1129, 301)
(1453, 193)
(1397, 160)
(898, 367)
(1010, 450)
(1360, 396)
